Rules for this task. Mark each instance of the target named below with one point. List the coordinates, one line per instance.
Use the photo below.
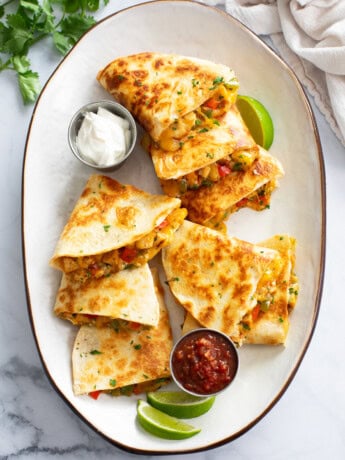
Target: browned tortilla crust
(158, 88)
(207, 202)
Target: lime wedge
(257, 119)
(180, 404)
(163, 425)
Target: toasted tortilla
(214, 277)
(108, 360)
(108, 218)
(201, 148)
(105, 301)
(238, 189)
(160, 88)
(268, 321)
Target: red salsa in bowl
(204, 362)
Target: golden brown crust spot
(206, 202)
(133, 82)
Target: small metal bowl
(194, 380)
(77, 120)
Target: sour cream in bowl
(102, 135)
(204, 362)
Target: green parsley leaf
(64, 21)
(112, 382)
(62, 43)
(20, 63)
(75, 25)
(29, 86)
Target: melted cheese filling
(266, 290)
(258, 200)
(202, 119)
(239, 160)
(80, 319)
(134, 255)
(137, 388)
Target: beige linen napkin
(310, 37)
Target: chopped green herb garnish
(206, 183)
(112, 382)
(172, 279)
(137, 346)
(106, 228)
(129, 266)
(216, 82)
(95, 352)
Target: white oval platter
(53, 180)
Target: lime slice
(180, 404)
(257, 119)
(163, 425)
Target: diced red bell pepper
(95, 394)
(162, 225)
(223, 170)
(255, 312)
(136, 390)
(242, 203)
(128, 254)
(211, 103)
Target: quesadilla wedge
(214, 277)
(123, 361)
(268, 321)
(115, 300)
(211, 205)
(166, 92)
(206, 154)
(114, 227)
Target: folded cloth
(310, 36)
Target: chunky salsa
(204, 362)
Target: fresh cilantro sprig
(26, 22)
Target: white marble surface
(307, 423)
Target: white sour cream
(103, 138)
